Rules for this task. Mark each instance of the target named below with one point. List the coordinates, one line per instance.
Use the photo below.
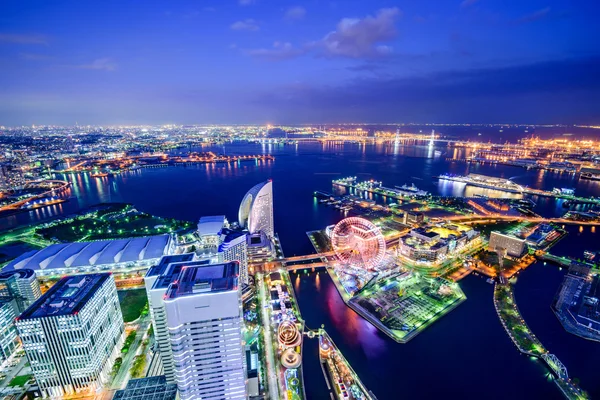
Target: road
(268, 332)
(123, 375)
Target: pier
(527, 343)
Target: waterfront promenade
(527, 343)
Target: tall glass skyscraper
(256, 210)
(204, 317)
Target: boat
(564, 191)
(411, 190)
(589, 175)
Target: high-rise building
(22, 285)
(73, 334)
(8, 333)
(256, 210)
(204, 317)
(235, 248)
(514, 246)
(18, 290)
(157, 281)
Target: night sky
(291, 62)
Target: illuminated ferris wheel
(358, 242)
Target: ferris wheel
(358, 243)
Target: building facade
(514, 246)
(8, 333)
(73, 334)
(256, 210)
(235, 248)
(204, 317)
(22, 285)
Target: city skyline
(262, 61)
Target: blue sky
(285, 61)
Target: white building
(8, 332)
(235, 248)
(209, 230)
(18, 290)
(204, 317)
(22, 285)
(157, 280)
(256, 210)
(514, 246)
(73, 334)
(88, 257)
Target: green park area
(110, 222)
(134, 303)
(20, 380)
(513, 322)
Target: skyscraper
(234, 247)
(22, 285)
(204, 316)
(8, 332)
(256, 210)
(18, 290)
(73, 334)
(157, 280)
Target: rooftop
(206, 278)
(164, 262)
(211, 225)
(66, 297)
(151, 388)
(172, 271)
(83, 254)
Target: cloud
(550, 91)
(295, 13)
(361, 38)
(245, 2)
(99, 64)
(245, 25)
(280, 51)
(467, 3)
(534, 16)
(23, 39)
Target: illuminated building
(209, 229)
(204, 318)
(514, 246)
(256, 210)
(435, 243)
(22, 285)
(8, 332)
(157, 280)
(150, 388)
(413, 218)
(234, 247)
(82, 257)
(73, 334)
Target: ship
(99, 175)
(589, 175)
(564, 191)
(411, 190)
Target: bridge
(556, 365)
(563, 261)
(53, 187)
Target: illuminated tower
(204, 319)
(256, 210)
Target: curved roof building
(68, 258)
(256, 210)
